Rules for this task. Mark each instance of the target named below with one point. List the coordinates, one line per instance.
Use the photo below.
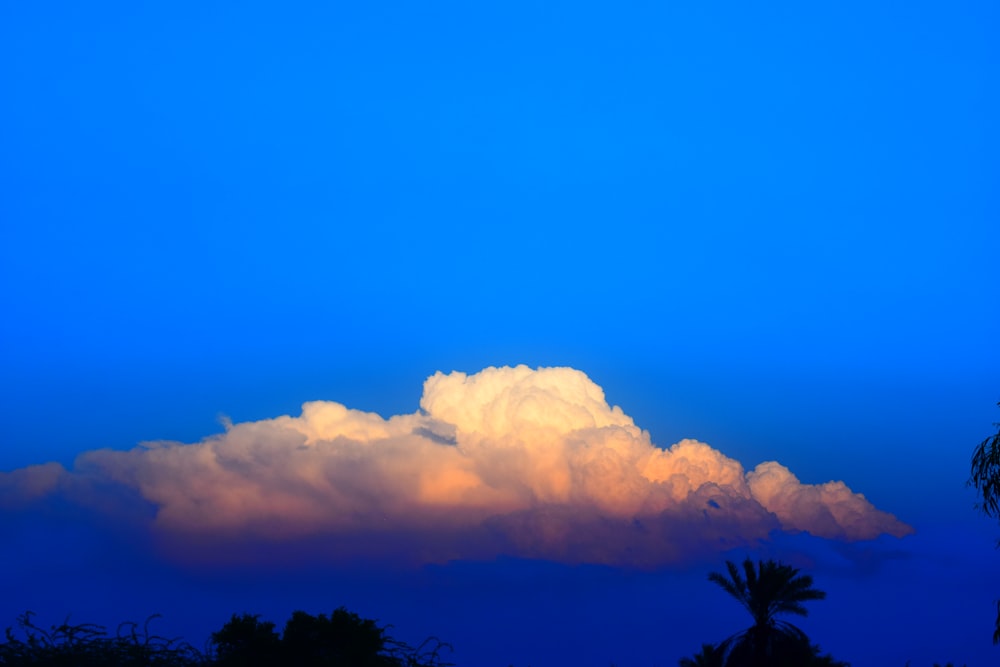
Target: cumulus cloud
(507, 461)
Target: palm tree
(709, 656)
(767, 591)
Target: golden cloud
(516, 461)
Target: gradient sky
(771, 229)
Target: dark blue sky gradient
(774, 229)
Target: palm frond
(734, 585)
(766, 589)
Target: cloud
(20, 487)
(828, 510)
(507, 461)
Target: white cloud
(510, 461)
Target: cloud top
(507, 461)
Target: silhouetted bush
(246, 641)
(89, 645)
(342, 639)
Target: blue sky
(773, 229)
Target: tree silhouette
(709, 656)
(246, 641)
(767, 591)
(985, 476)
(342, 639)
